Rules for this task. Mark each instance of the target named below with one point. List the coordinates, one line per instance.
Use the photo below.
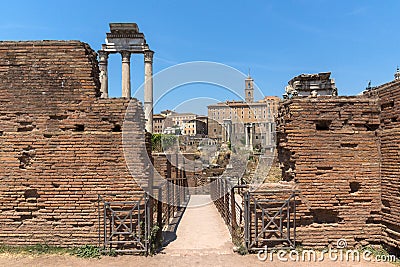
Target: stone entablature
(311, 84)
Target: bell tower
(397, 74)
(249, 89)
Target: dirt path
(201, 230)
(163, 260)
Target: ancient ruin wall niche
(61, 145)
(327, 148)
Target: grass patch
(37, 249)
(86, 251)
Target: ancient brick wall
(389, 103)
(166, 165)
(60, 145)
(163, 166)
(329, 148)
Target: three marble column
(126, 81)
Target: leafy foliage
(154, 239)
(87, 251)
(238, 241)
(163, 142)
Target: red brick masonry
(60, 144)
(343, 155)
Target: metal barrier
(174, 193)
(223, 194)
(126, 224)
(260, 219)
(270, 219)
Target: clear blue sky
(356, 40)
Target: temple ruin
(125, 39)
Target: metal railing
(270, 219)
(256, 218)
(223, 194)
(173, 193)
(125, 224)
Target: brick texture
(60, 144)
(329, 148)
(389, 104)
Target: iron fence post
(294, 219)
(147, 221)
(233, 210)
(99, 214)
(246, 220)
(176, 166)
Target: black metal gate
(270, 219)
(125, 225)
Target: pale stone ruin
(311, 85)
(125, 38)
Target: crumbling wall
(329, 147)
(60, 145)
(172, 165)
(389, 103)
(163, 166)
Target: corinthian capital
(103, 56)
(148, 56)
(126, 56)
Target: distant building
(162, 122)
(170, 122)
(158, 123)
(202, 125)
(248, 122)
(194, 127)
(311, 84)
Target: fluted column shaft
(103, 63)
(148, 89)
(126, 74)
